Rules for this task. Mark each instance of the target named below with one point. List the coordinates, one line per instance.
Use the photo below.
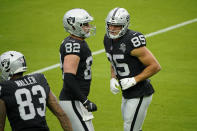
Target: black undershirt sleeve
(70, 80)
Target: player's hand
(90, 106)
(113, 86)
(127, 83)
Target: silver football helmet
(11, 62)
(117, 16)
(75, 19)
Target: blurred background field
(34, 27)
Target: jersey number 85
(121, 69)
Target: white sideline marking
(147, 35)
(46, 69)
(171, 27)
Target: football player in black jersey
(131, 66)
(24, 98)
(76, 61)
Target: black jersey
(25, 99)
(125, 65)
(83, 75)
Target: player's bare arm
(2, 115)
(113, 75)
(53, 105)
(147, 58)
(71, 64)
(70, 69)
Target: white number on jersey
(121, 65)
(87, 72)
(138, 40)
(28, 102)
(72, 47)
(35, 90)
(117, 65)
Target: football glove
(90, 106)
(113, 84)
(127, 83)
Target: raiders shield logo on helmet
(71, 20)
(6, 64)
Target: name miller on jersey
(26, 81)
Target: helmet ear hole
(10, 75)
(7, 70)
(73, 27)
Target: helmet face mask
(75, 20)
(11, 63)
(1, 76)
(88, 30)
(117, 17)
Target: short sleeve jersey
(25, 99)
(83, 75)
(124, 65)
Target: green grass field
(34, 27)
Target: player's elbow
(157, 67)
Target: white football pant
(134, 112)
(79, 117)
